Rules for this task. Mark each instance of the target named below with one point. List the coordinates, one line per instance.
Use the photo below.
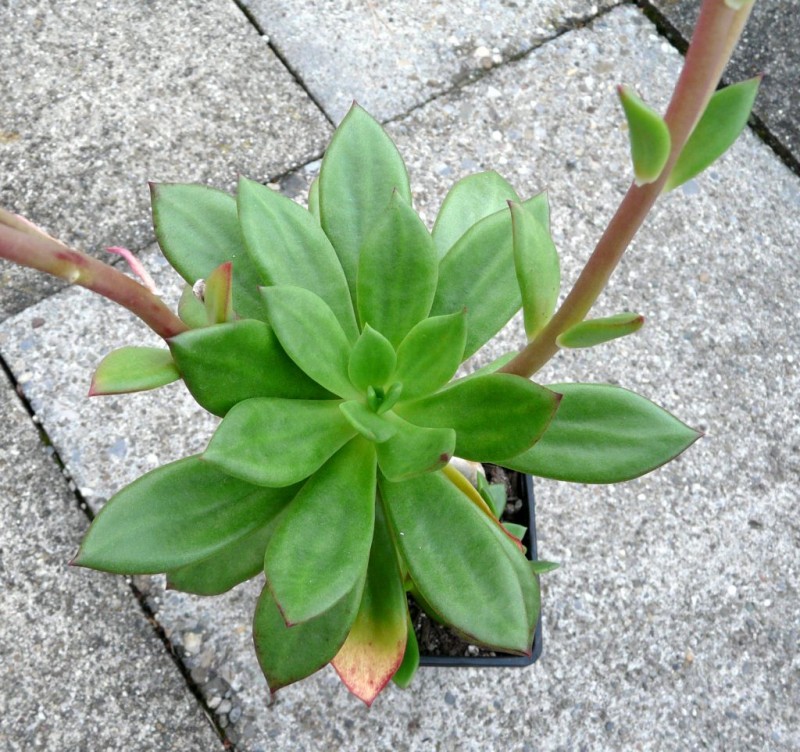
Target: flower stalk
(716, 34)
(23, 243)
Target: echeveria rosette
(327, 340)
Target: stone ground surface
(673, 622)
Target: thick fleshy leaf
(239, 561)
(133, 369)
(313, 198)
(360, 171)
(288, 654)
(288, 247)
(408, 668)
(175, 515)
(397, 272)
(469, 200)
(277, 442)
(369, 424)
(536, 262)
(372, 361)
(473, 586)
(198, 229)
(478, 274)
(191, 309)
(431, 353)
(490, 414)
(320, 549)
(376, 644)
(311, 335)
(414, 450)
(218, 294)
(543, 567)
(229, 363)
(720, 125)
(604, 434)
(494, 494)
(596, 331)
(648, 134)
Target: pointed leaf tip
(649, 137)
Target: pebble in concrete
(159, 91)
(671, 622)
(390, 56)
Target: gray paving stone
(99, 100)
(391, 56)
(80, 666)
(769, 45)
(672, 622)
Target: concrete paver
(671, 624)
(391, 56)
(99, 100)
(81, 668)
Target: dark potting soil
(437, 639)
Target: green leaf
(311, 335)
(217, 294)
(604, 434)
(494, 416)
(288, 247)
(478, 274)
(720, 125)
(308, 574)
(596, 331)
(288, 654)
(372, 361)
(431, 353)
(277, 442)
(469, 200)
(376, 644)
(229, 363)
(133, 369)
(397, 272)
(313, 198)
(198, 229)
(359, 173)
(518, 531)
(370, 425)
(649, 137)
(414, 450)
(173, 516)
(410, 664)
(535, 261)
(494, 494)
(240, 560)
(457, 562)
(543, 567)
(191, 309)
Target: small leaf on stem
(596, 331)
(649, 137)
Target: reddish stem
(717, 31)
(39, 251)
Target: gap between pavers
(670, 622)
(390, 56)
(81, 668)
(99, 100)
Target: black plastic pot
(528, 513)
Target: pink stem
(39, 251)
(717, 31)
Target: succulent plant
(329, 339)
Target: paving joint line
(140, 597)
(253, 21)
(474, 76)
